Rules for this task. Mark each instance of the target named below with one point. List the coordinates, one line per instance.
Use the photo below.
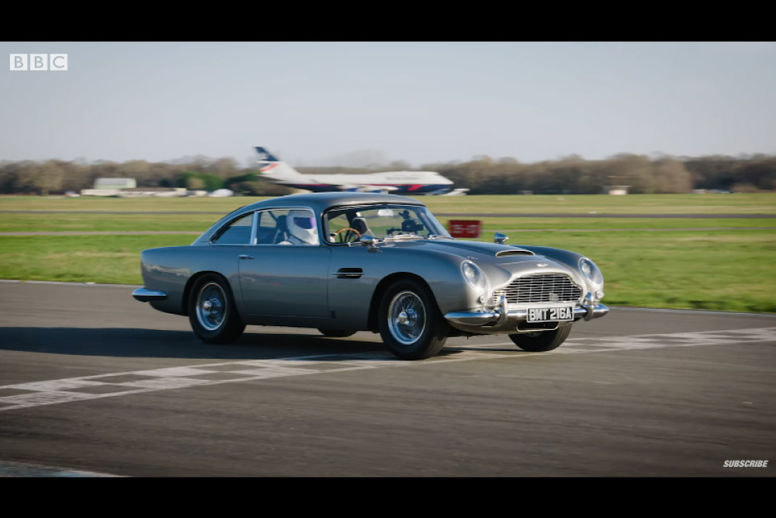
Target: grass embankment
(720, 264)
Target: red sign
(464, 227)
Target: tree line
(482, 175)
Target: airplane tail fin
(274, 169)
(265, 156)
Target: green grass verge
(754, 203)
(100, 259)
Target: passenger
(301, 228)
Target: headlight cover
(473, 275)
(593, 275)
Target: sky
(356, 103)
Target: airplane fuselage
(397, 182)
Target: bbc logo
(38, 62)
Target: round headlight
(590, 271)
(473, 274)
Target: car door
(283, 274)
(354, 274)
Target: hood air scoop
(516, 251)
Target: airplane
(394, 182)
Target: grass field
(708, 263)
(760, 203)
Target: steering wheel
(344, 239)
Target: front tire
(410, 323)
(212, 312)
(541, 341)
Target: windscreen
(384, 221)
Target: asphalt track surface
(94, 383)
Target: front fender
(351, 297)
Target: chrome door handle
(245, 256)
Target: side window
(237, 232)
(287, 227)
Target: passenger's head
(301, 225)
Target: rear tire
(541, 341)
(212, 311)
(410, 323)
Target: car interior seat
(281, 231)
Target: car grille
(549, 287)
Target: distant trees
(482, 174)
(572, 174)
(755, 173)
(194, 173)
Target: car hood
(479, 249)
(480, 252)
(500, 262)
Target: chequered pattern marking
(26, 395)
(654, 341)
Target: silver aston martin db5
(347, 262)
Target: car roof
(321, 201)
(318, 202)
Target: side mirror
(499, 238)
(368, 240)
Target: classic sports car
(347, 262)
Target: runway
(93, 383)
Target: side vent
(349, 273)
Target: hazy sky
(341, 103)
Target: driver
(301, 228)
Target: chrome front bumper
(144, 295)
(502, 318)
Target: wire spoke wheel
(212, 311)
(406, 317)
(410, 322)
(211, 306)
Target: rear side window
(237, 232)
(287, 227)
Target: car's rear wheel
(541, 341)
(212, 312)
(336, 333)
(410, 323)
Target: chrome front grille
(543, 287)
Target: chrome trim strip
(144, 295)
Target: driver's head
(301, 225)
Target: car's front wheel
(541, 341)
(212, 311)
(410, 322)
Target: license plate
(550, 314)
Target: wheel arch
(383, 285)
(190, 284)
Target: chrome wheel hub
(406, 317)
(211, 304)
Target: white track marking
(66, 390)
(21, 469)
